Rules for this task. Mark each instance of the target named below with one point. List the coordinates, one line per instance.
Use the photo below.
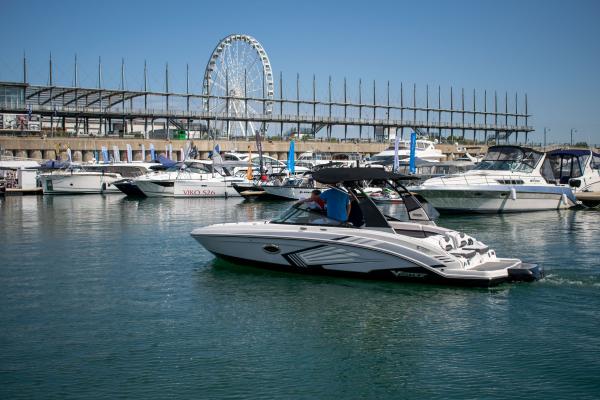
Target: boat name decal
(198, 192)
(399, 274)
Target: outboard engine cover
(525, 272)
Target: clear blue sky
(547, 49)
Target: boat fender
(513, 194)
(564, 199)
(103, 187)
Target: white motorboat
(311, 159)
(372, 246)
(424, 150)
(509, 179)
(189, 179)
(90, 178)
(291, 188)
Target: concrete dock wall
(83, 149)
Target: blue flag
(129, 153)
(291, 161)
(105, 157)
(413, 148)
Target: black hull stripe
(383, 274)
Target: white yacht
(424, 150)
(311, 159)
(291, 188)
(508, 179)
(189, 179)
(90, 178)
(372, 245)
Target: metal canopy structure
(238, 98)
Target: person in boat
(337, 203)
(315, 201)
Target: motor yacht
(508, 179)
(424, 150)
(290, 188)
(190, 179)
(372, 245)
(90, 178)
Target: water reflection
(110, 291)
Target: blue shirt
(337, 202)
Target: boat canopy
(569, 163)
(330, 176)
(571, 152)
(510, 158)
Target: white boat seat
(464, 253)
(478, 247)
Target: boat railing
(463, 179)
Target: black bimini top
(331, 176)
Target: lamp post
(546, 130)
(572, 131)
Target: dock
(589, 199)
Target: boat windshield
(596, 161)
(510, 159)
(568, 165)
(303, 214)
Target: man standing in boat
(338, 204)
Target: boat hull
(129, 188)
(332, 252)
(79, 183)
(208, 188)
(499, 199)
(156, 188)
(288, 192)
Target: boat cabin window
(230, 157)
(596, 161)
(510, 159)
(197, 168)
(303, 214)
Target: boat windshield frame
(309, 217)
(372, 217)
(510, 158)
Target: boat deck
(494, 265)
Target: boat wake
(558, 280)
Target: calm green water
(103, 297)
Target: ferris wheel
(238, 83)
